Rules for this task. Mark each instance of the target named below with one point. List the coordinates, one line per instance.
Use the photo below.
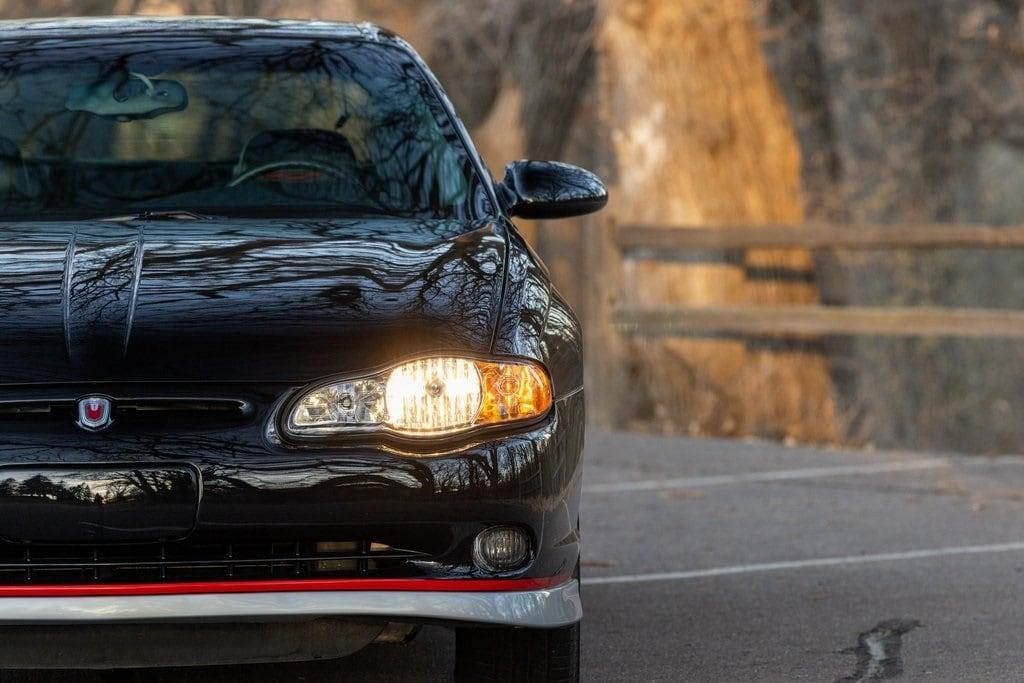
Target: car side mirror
(549, 189)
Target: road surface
(732, 561)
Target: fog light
(501, 549)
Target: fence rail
(652, 238)
(819, 321)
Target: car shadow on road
(427, 658)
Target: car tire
(518, 654)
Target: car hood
(240, 300)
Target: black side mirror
(548, 189)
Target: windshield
(251, 127)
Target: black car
(278, 376)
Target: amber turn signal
(512, 392)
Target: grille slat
(184, 562)
(225, 564)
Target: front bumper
(267, 511)
(548, 607)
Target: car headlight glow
(426, 398)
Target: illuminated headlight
(425, 398)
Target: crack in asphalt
(879, 651)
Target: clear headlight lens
(433, 396)
(428, 397)
(346, 403)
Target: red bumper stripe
(280, 585)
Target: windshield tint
(253, 126)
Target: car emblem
(94, 413)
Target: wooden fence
(660, 243)
(610, 291)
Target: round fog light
(501, 549)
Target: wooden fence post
(601, 284)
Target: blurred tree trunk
(701, 136)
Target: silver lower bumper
(546, 608)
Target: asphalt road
(727, 561)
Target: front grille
(176, 562)
(148, 412)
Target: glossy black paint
(248, 300)
(248, 312)
(97, 504)
(549, 189)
